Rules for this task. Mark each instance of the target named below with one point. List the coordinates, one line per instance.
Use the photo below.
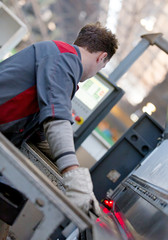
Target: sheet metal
(154, 168)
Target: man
(36, 88)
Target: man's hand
(79, 189)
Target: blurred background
(146, 82)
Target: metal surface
(125, 155)
(142, 219)
(155, 167)
(158, 40)
(156, 196)
(143, 209)
(165, 135)
(55, 208)
(30, 181)
(11, 201)
(42, 163)
(127, 62)
(13, 30)
(107, 223)
(162, 44)
(30, 217)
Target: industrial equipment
(136, 208)
(125, 155)
(139, 203)
(59, 218)
(91, 103)
(12, 30)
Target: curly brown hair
(94, 37)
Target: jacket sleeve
(60, 138)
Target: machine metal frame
(47, 198)
(10, 37)
(146, 41)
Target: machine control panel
(94, 98)
(90, 94)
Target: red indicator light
(108, 203)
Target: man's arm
(77, 180)
(60, 138)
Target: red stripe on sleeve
(65, 47)
(22, 105)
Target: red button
(77, 118)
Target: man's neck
(87, 59)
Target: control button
(163, 204)
(79, 120)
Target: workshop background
(146, 82)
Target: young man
(36, 88)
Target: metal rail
(127, 62)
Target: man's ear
(101, 57)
